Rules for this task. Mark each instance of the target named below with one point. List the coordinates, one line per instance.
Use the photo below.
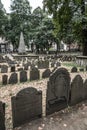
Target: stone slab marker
(4, 68)
(13, 78)
(2, 116)
(58, 90)
(46, 73)
(34, 74)
(4, 79)
(23, 76)
(85, 90)
(26, 106)
(76, 90)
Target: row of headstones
(27, 104)
(40, 65)
(75, 69)
(34, 75)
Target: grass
(71, 64)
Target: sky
(33, 3)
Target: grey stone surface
(4, 68)
(85, 90)
(4, 79)
(2, 116)
(74, 70)
(76, 90)
(26, 106)
(23, 76)
(58, 90)
(34, 74)
(13, 78)
(12, 68)
(46, 73)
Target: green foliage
(3, 19)
(70, 20)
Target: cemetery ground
(71, 118)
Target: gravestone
(85, 90)
(86, 68)
(20, 69)
(43, 64)
(12, 68)
(58, 90)
(58, 64)
(25, 66)
(4, 79)
(23, 76)
(81, 69)
(74, 70)
(26, 106)
(4, 68)
(46, 73)
(76, 90)
(34, 74)
(53, 64)
(2, 116)
(13, 78)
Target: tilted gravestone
(2, 116)
(46, 73)
(23, 76)
(4, 69)
(76, 90)
(85, 90)
(58, 90)
(26, 106)
(34, 74)
(4, 79)
(13, 78)
(52, 64)
(74, 69)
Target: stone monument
(21, 48)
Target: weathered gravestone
(26, 66)
(76, 90)
(53, 64)
(58, 64)
(46, 73)
(12, 68)
(13, 78)
(26, 106)
(34, 74)
(86, 68)
(58, 90)
(20, 69)
(2, 116)
(81, 69)
(74, 69)
(43, 64)
(4, 69)
(23, 76)
(85, 90)
(4, 79)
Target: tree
(3, 20)
(42, 27)
(66, 16)
(20, 18)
